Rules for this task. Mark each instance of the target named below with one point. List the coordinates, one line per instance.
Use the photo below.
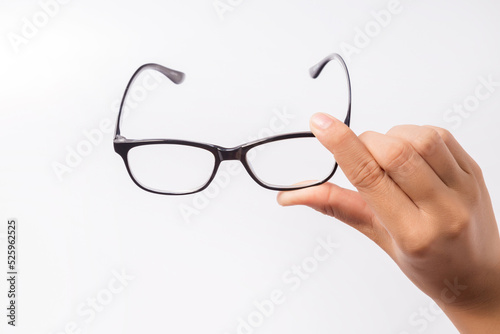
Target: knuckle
(415, 244)
(445, 135)
(416, 249)
(454, 217)
(457, 221)
(398, 156)
(367, 137)
(327, 208)
(476, 169)
(418, 242)
(455, 229)
(435, 230)
(427, 143)
(364, 135)
(368, 174)
(395, 130)
(474, 195)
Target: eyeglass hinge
(120, 138)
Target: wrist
(484, 319)
(476, 309)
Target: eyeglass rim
(123, 146)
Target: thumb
(330, 199)
(346, 205)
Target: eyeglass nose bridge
(233, 153)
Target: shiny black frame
(123, 145)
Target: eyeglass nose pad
(233, 153)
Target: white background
(200, 275)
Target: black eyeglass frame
(123, 145)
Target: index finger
(384, 196)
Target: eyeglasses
(179, 167)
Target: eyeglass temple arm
(315, 71)
(176, 77)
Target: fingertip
(330, 131)
(288, 198)
(294, 197)
(280, 198)
(321, 121)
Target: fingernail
(321, 121)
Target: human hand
(424, 201)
